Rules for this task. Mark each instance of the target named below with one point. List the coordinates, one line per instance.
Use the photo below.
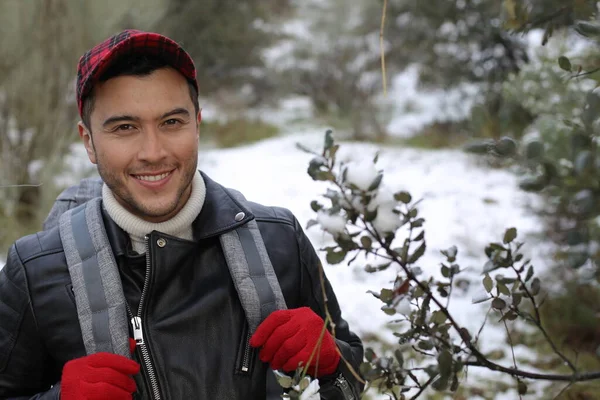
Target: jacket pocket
(245, 354)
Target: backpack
(99, 298)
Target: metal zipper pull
(138, 335)
(344, 386)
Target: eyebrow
(126, 118)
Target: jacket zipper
(138, 333)
(246, 357)
(342, 383)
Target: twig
(381, 45)
(23, 185)
(538, 322)
(510, 342)
(328, 317)
(544, 18)
(582, 377)
(482, 325)
(423, 387)
(586, 73)
(482, 360)
(563, 390)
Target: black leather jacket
(194, 323)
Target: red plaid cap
(94, 62)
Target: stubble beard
(127, 199)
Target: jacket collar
(220, 213)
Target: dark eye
(172, 122)
(125, 127)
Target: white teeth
(152, 178)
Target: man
(138, 100)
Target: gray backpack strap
(71, 197)
(96, 282)
(251, 270)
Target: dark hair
(134, 65)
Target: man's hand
(99, 376)
(288, 337)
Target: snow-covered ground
(464, 203)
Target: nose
(152, 147)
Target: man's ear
(198, 120)
(86, 137)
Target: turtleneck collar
(137, 228)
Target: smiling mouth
(153, 178)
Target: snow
(334, 224)
(361, 174)
(464, 203)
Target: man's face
(144, 140)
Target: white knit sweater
(179, 226)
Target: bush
(237, 132)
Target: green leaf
(335, 257)
(386, 295)
(284, 381)
(587, 29)
(497, 246)
(333, 151)
(403, 197)
(464, 333)
(584, 162)
(451, 253)
(577, 259)
(498, 303)
(311, 223)
(417, 254)
(445, 271)
(366, 242)
(370, 355)
(425, 345)
(506, 147)
(503, 289)
(371, 215)
(536, 286)
(440, 384)
(315, 206)
(522, 388)
(510, 315)
(529, 273)
(534, 150)
(365, 369)
(399, 357)
(417, 223)
(376, 182)
(438, 317)
(420, 236)
(488, 283)
(445, 363)
(376, 158)
(388, 310)
(510, 235)
(328, 139)
(418, 292)
(534, 184)
(516, 299)
(479, 147)
(564, 63)
(304, 383)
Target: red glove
(288, 337)
(99, 376)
